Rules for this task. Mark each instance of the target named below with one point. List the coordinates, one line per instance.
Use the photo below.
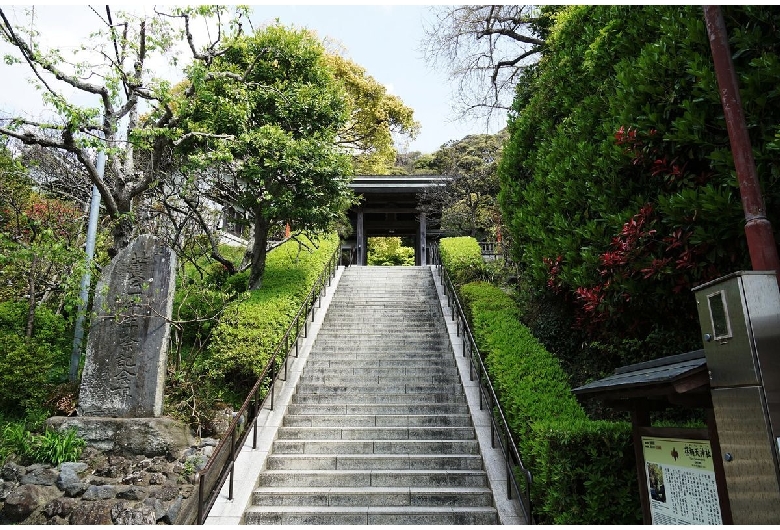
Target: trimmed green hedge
(250, 329)
(462, 258)
(583, 471)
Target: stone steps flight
(378, 430)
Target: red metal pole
(758, 229)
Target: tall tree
(375, 118)
(268, 110)
(485, 48)
(468, 202)
(116, 73)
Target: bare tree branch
(484, 48)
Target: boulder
(60, 507)
(12, 472)
(26, 499)
(95, 493)
(91, 513)
(124, 515)
(133, 436)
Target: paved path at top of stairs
(378, 430)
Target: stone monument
(127, 346)
(121, 393)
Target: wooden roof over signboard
(678, 379)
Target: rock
(61, 506)
(156, 479)
(158, 465)
(91, 513)
(75, 489)
(122, 514)
(40, 476)
(132, 493)
(166, 493)
(160, 508)
(124, 370)
(12, 472)
(5, 489)
(78, 467)
(173, 511)
(95, 493)
(101, 481)
(24, 500)
(69, 474)
(132, 436)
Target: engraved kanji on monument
(127, 346)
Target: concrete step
(371, 398)
(371, 388)
(444, 371)
(378, 429)
(334, 377)
(370, 447)
(375, 420)
(369, 515)
(375, 433)
(375, 361)
(356, 478)
(364, 462)
(348, 409)
(376, 496)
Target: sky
(384, 39)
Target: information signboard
(681, 484)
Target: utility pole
(758, 229)
(94, 213)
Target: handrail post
(201, 487)
(255, 411)
(273, 381)
(232, 462)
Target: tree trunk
(259, 250)
(122, 232)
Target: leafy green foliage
(30, 367)
(617, 183)
(51, 447)
(462, 257)
(374, 118)
(39, 240)
(269, 109)
(468, 202)
(389, 251)
(233, 350)
(583, 471)
(239, 344)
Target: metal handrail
(499, 426)
(221, 465)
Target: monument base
(135, 436)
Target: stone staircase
(378, 430)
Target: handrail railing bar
(206, 498)
(507, 445)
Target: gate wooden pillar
(422, 236)
(360, 239)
